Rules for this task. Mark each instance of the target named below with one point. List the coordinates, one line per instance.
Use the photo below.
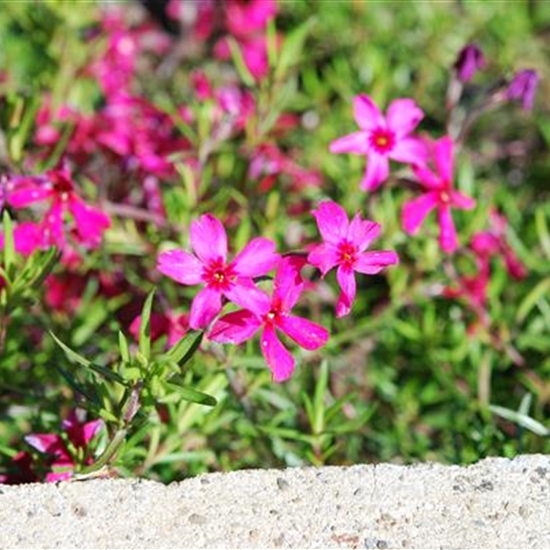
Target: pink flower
(273, 314)
(469, 61)
(57, 187)
(209, 265)
(493, 242)
(383, 138)
(439, 195)
(78, 434)
(344, 246)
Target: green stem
(108, 453)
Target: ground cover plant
(266, 234)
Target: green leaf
(521, 419)
(185, 348)
(192, 395)
(292, 48)
(532, 298)
(240, 64)
(9, 243)
(123, 347)
(75, 357)
(72, 355)
(145, 326)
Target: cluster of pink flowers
(61, 453)
(384, 138)
(57, 192)
(344, 245)
(484, 246)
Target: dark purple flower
(523, 87)
(470, 60)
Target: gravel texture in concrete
(497, 503)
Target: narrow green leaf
(72, 355)
(292, 48)
(75, 357)
(145, 326)
(9, 243)
(123, 347)
(192, 395)
(184, 349)
(240, 64)
(532, 298)
(521, 419)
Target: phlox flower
(209, 266)
(493, 242)
(469, 61)
(78, 434)
(383, 138)
(439, 195)
(344, 247)
(523, 87)
(271, 314)
(57, 188)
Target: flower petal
(257, 258)
(305, 333)
(443, 157)
(427, 178)
(332, 221)
(459, 200)
(414, 212)
(410, 150)
(346, 280)
(357, 142)
(374, 261)
(403, 116)
(367, 114)
(235, 327)
(180, 266)
(288, 283)
(53, 224)
(90, 222)
(324, 257)
(208, 239)
(362, 232)
(246, 295)
(206, 305)
(376, 173)
(26, 190)
(447, 231)
(278, 358)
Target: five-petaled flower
(209, 266)
(439, 195)
(383, 138)
(66, 452)
(57, 187)
(344, 246)
(271, 313)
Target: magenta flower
(64, 461)
(382, 139)
(209, 265)
(470, 60)
(524, 87)
(344, 246)
(273, 314)
(439, 195)
(494, 243)
(57, 187)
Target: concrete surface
(497, 503)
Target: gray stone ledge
(497, 503)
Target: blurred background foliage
(406, 377)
